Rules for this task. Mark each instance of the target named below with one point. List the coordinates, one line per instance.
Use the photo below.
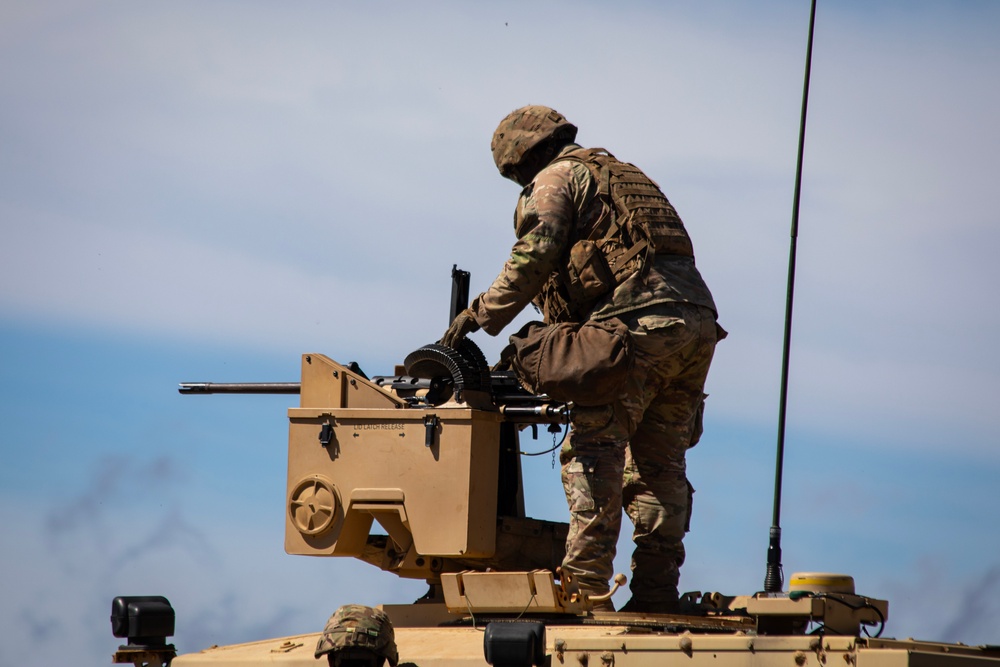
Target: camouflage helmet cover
(357, 626)
(522, 130)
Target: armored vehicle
(430, 456)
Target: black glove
(465, 323)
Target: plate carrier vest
(637, 222)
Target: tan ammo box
(431, 474)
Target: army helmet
(355, 626)
(522, 130)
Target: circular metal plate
(312, 505)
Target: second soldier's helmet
(360, 635)
(522, 130)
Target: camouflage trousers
(631, 455)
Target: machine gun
(430, 453)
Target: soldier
(596, 240)
(358, 636)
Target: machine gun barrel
(239, 387)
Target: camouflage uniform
(355, 631)
(630, 453)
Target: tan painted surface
(620, 646)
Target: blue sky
(197, 191)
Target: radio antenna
(774, 579)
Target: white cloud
(145, 281)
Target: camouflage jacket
(559, 207)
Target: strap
(624, 259)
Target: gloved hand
(465, 323)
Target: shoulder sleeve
(545, 219)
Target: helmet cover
(356, 626)
(522, 130)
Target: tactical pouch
(586, 364)
(590, 278)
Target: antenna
(774, 578)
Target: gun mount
(430, 454)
